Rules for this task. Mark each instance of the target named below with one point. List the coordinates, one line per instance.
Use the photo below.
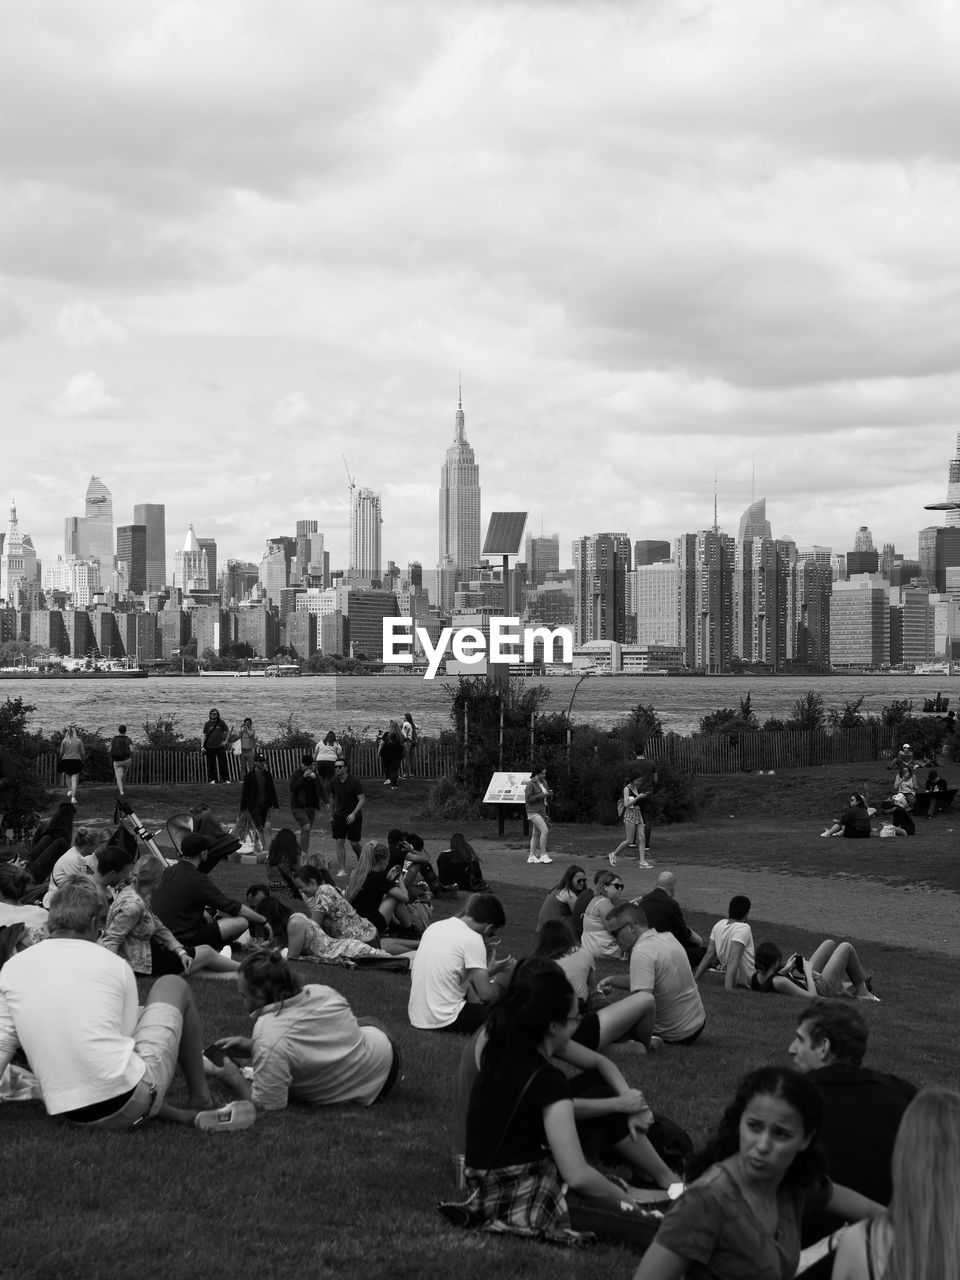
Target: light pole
(569, 710)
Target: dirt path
(837, 906)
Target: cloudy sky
(662, 241)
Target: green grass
(351, 1190)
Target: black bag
(673, 1144)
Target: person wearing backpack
(121, 753)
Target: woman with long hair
(631, 812)
(52, 839)
(71, 754)
(376, 893)
(752, 1183)
(596, 940)
(833, 970)
(306, 1046)
(460, 865)
(524, 1163)
(325, 755)
(918, 1238)
(410, 734)
(535, 796)
(283, 858)
(133, 931)
(560, 901)
(335, 916)
(853, 822)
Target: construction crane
(352, 484)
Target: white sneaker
(612, 859)
(533, 858)
(341, 875)
(546, 858)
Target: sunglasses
(620, 928)
(612, 884)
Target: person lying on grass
(622, 1021)
(611, 1117)
(834, 969)
(134, 933)
(101, 1061)
(335, 916)
(761, 1172)
(300, 935)
(306, 1045)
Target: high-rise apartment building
(650, 551)
(947, 559)
(152, 515)
(812, 582)
(132, 551)
(542, 555)
(763, 604)
(652, 590)
(460, 502)
(707, 566)
(754, 523)
(601, 562)
(365, 522)
(860, 622)
(209, 545)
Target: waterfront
(364, 704)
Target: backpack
(120, 747)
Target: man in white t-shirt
(659, 967)
(731, 946)
(100, 1060)
(452, 981)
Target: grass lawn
(353, 1191)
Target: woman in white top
(326, 754)
(596, 940)
(535, 796)
(409, 733)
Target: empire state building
(459, 504)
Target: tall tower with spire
(459, 501)
(18, 563)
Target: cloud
(291, 410)
(83, 324)
(86, 395)
(13, 319)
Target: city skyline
(230, 251)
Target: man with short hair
(346, 813)
(731, 946)
(305, 800)
(100, 1061)
(453, 982)
(861, 1108)
(665, 914)
(184, 893)
(659, 967)
(121, 753)
(113, 868)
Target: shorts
(70, 767)
(341, 829)
(324, 768)
(165, 962)
(207, 935)
(470, 1018)
(305, 817)
(156, 1042)
(587, 1033)
(691, 1038)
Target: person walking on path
(634, 823)
(121, 753)
(216, 731)
(535, 796)
(305, 799)
(72, 754)
(346, 818)
(259, 796)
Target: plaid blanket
(521, 1199)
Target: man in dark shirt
(861, 1108)
(664, 914)
(346, 819)
(305, 799)
(184, 893)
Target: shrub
(26, 796)
(292, 735)
(807, 713)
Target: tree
(728, 720)
(808, 714)
(849, 717)
(25, 795)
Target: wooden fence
(751, 752)
(429, 761)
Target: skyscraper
(460, 502)
(706, 562)
(953, 485)
(90, 536)
(153, 516)
(18, 565)
(365, 522)
(209, 545)
(863, 540)
(190, 570)
(600, 563)
(754, 522)
(542, 556)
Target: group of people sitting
(898, 811)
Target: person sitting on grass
(51, 840)
(15, 885)
(895, 813)
(560, 901)
(379, 894)
(753, 1182)
(853, 822)
(934, 787)
(920, 1235)
(184, 894)
(454, 980)
(460, 866)
(834, 969)
(335, 916)
(133, 932)
(597, 940)
(731, 946)
(79, 860)
(407, 851)
(100, 1060)
(283, 858)
(300, 935)
(524, 1165)
(624, 1021)
(307, 1046)
(612, 1118)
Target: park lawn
(352, 1191)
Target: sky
(667, 247)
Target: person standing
(411, 735)
(248, 744)
(305, 799)
(216, 731)
(346, 817)
(391, 752)
(259, 796)
(644, 772)
(72, 754)
(630, 809)
(121, 753)
(326, 754)
(535, 796)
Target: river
(364, 704)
